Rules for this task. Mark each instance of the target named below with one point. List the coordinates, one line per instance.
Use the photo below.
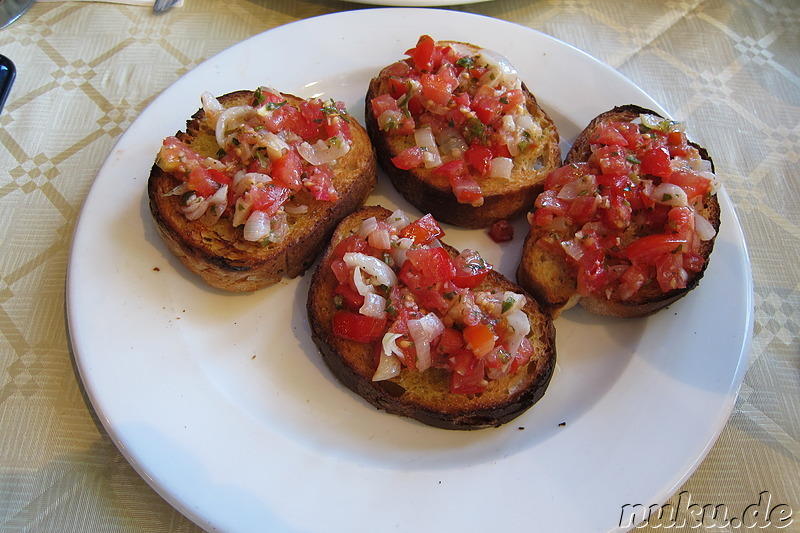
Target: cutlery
(163, 5)
(10, 10)
(7, 74)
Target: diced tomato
(501, 231)
(352, 243)
(450, 342)
(670, 272)
(433, 264)
(479, 157)
(357, 327)
(618, 214)
(480, 339)
(268, 197)
(582, 209)
(611, 160)
(289, 118)
(465, 188)
(656, 162)
(202, 182)
(409, 158)
(404, 125)
(631, 281)
(693, 183)
(471, 269)
(467, 376)
(438, 88)
(423, 230)
(320, 183)
(511, 99)
(287, 169)
(565, 174)
(428, 295)
(260, 165)
(610, 136)
(176, 157)
(646, 250)
(523, 355)
(680, 220)
(351, 299)
(424, 56)
(487, 107)
(550, 202)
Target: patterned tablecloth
(730, 68)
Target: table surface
(731, 69)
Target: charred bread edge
(385, 395)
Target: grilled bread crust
(503, 198)
(425, 396)
(548, 277)
(218, 253)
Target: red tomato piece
(467, 376)
(656, 162)
(610, 136)
(320, 183)
(479, 157)
(423, 230)
(646, 250)
(287, 169)
(471, 269)
(409, 158)
(565, 174)
(268, 197)
(356, 327)
(422, 55)
(501, 231)
(433, 264)
(480, 339)
(351, 299)
(693, 183)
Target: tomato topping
(409, 158)
(202, 182)
(646, 250)
(287, 170)
(479, 157)
(656, 162)
(468, 373)
(423, 230)
(470, 269)
(501, 231)
(268, 197)
(480, 339)
(357, 327)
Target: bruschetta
(459, 134)
(251, 191)
(424, 331)
(627, 225)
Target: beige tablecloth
(731, 69)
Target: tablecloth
(731, 69)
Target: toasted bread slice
(218, 252)
(552, 278)
(426, 396)
(431, 192)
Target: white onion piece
(517, 301)
(279, 227)
(368, 225)
(229, 120)
(388, 365)
(380, 239)
(504, 71)
(293, 209)
(323, 152)
(212, 108)
(451, 144)
(573, 249)
(520, 326)
(400, 250)
(670, 194)
(362, 287)
(501, 167)
(275, 146)
(374, 306)
(423, 137)
(241, 211)
(257, 226)
(398, 220)
(195, 207)
(390, 347)
(389, 117)
(705, 230)
(383, 273)
(178, 190)
(218, 202)
(423, 331)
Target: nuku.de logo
(685, 513)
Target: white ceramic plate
(417, 3)
(223, 405)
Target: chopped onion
(212, 108)
(195, 207)
(362, 287)
(501, 167)
(380, 239)
(400, 250)
(293, 209)
(451, 144)
(241, 211)
(374, 305)
(257, 226)
(324, 152)
(275, 146)
(279, 227)
(398, 220)
(423, 331)
(423, 137)
(178, 190)
(517, 301)
(389, 117)
(228, 121)
(388, 365)
(383, 273)
(705, 230)
(519, 326)
(503, 71)
(670, 194)
(573, 249)
(368, 225)
(218, 202)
